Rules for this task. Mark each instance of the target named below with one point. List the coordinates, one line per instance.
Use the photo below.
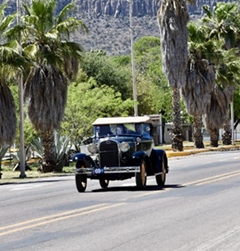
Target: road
(197, 210)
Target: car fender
(88, 161)
(156, 157)
(137, 158)
(139, 155)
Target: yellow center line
(53, 218)
(48, 217)
(212, 179)
(153, 192)
(218, 178)
(196, 183)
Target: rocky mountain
(108, 22)
(96, 8)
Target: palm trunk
(227, 135)
(214, 136)
(177, 138)
(48, 158)
(197, 135)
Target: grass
(10, 176)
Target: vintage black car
(121, 148)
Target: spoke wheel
(104, 183)
(161, 178)
(141, 177)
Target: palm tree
(9, 62)
(173, 18)
(196, 92)
(215, 109)
(205, 45)
(227, 77)
(46, 40)
(223, 25)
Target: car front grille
(108, 154)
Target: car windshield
(131, 129)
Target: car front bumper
(107, 170)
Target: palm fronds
(62, 147)
(3, 151)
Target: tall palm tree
(9, 63)
(47, 41)
(196, 92)
(215, 109)
(223, 24)
(173, 18)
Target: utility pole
(20, 86)
(133, 62)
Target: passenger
(138, 128)
(146, 133)
(121, 129)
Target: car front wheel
(161, 178)
(81, 182)
(103, 183)
(141, 177)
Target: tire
(81, 182)
(104, 183)
(141, 177)
(81, 179)
(161, 178)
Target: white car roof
(122, 120)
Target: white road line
(26, 186)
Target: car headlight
(124, 147)
(92, 148)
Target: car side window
(103, 130)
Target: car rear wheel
(104, 183)
(141, 177)
(161, 178)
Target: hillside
(108, 21)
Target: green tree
(106, 70)
(46, 41)
(152, 87)
(87, 102)
(173, 18)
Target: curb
(195, 151)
